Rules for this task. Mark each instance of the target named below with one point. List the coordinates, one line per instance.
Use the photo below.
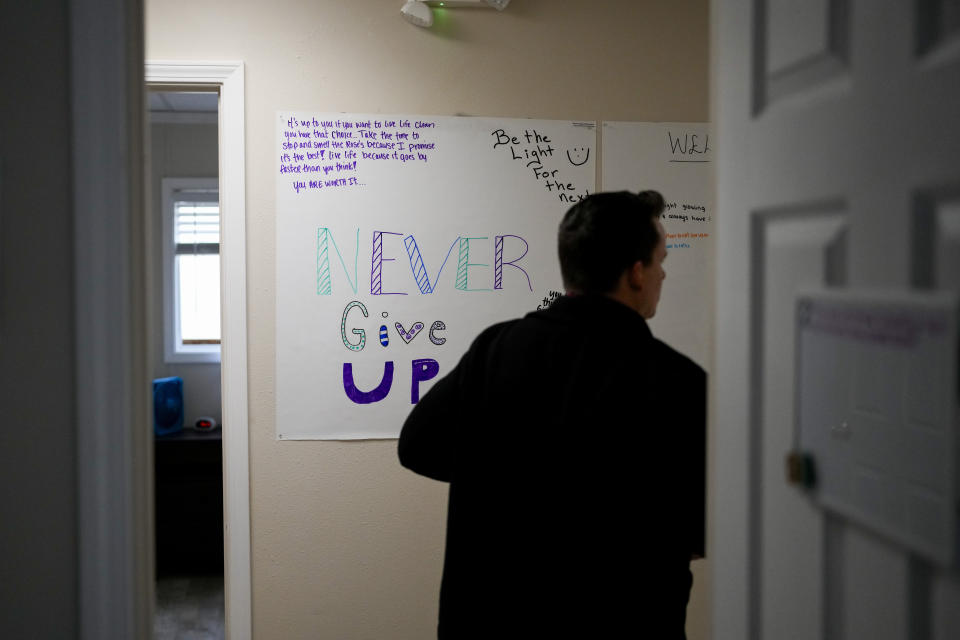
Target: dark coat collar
(593, 309)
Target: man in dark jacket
(574, 445)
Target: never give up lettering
(422, 369)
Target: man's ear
(635, 275)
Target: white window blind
(196, 229)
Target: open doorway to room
(185, 343)
(226, 79)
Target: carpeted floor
(189, 608)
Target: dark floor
(189, 608)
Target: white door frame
(228, 76)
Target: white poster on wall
(399, 238)
(676, 160)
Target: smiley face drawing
(578, 152)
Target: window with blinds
(197, 238)
(192, 269)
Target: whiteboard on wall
(877, 411)
(674, 159)
(399, 238)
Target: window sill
(195, 355)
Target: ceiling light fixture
(416, 12)
(500, 5)
(419, 13)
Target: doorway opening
(185, 339)
(227, 79)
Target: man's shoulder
(497, 328)
(679, 363)
(491, 334)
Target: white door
(838, 142)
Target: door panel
(875, 589)
(801, 47)
(797, 248)
(946, 613)
(945, 248)
(948, 244)
(853, 105)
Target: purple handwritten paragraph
(324, 154)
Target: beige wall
(346, 544)
(179, 151)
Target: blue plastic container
(167, 405)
